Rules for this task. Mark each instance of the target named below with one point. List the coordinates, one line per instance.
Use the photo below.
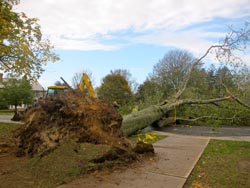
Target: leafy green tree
(167, 78)
(225, 76)
(3, 102)
(243, 83)
(216, 77)
(128, 76)
(115, 88)
(211, 77)
(22, 49)
(148, 93)
(16, 92)
(198, 84)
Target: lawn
(6, 129)
(62, 165)
(6, 112)
(224, 164)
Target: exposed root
(71, 115)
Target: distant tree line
(167, 78)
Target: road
(210, 131)
(7, 119)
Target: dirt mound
(71, 115)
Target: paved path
(208, 131)
(177, 156)
(7, 119)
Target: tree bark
(141, 119)
(146, 117)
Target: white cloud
(78, 21)
(245, 57)
(72, 43)
(192, 41)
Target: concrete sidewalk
(177, 156)
(7, 119)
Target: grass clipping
(73, 115)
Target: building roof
(36, 86)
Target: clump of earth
(74, 116)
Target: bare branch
(235, 40)
(208, 101)
(180, 92)
(236, 98)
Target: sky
(104, 35)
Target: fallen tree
(141, 119)
(74, 115)
(235, 40)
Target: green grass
(6, 112)
(64, 164)
(68, 162)
(224, 164)
(71, 160)
(7, 128)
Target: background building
(39, 91)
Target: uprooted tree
(74, 115)
(165, 112)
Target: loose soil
(63, 138)
(12, 174)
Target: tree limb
(141, 119)
(235, 98)
(235, 40)
(180, 92)
(208, 101)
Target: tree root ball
(71, 115)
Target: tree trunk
(17, 116)
(15, 108)
(141, 119)
(146, 117)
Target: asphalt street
(211, 131)
(5, 117)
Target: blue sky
(103, 35)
